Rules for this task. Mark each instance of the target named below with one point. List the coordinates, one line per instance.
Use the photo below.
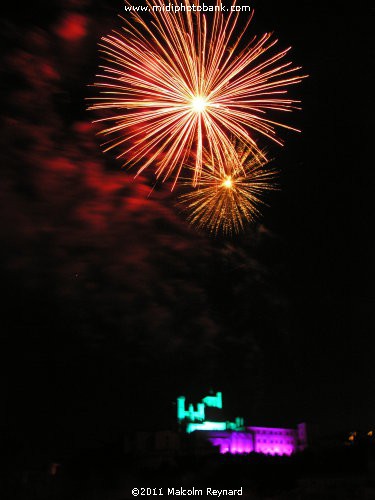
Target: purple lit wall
(274, 441)
(265, 440)
(233, 442)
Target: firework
(226, 200)
(175, 83)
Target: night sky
(114, 306)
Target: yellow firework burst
(175, 83)
(226, 200)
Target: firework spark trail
(225, 200)
(178, 84)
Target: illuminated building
(195, 419)
(235, 437)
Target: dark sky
(113, 306)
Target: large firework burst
(225, 201)
(176, 83)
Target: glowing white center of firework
(198, 104)
(228, 183)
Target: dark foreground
(342, 473)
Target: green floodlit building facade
(195, 419)
(235, 437)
